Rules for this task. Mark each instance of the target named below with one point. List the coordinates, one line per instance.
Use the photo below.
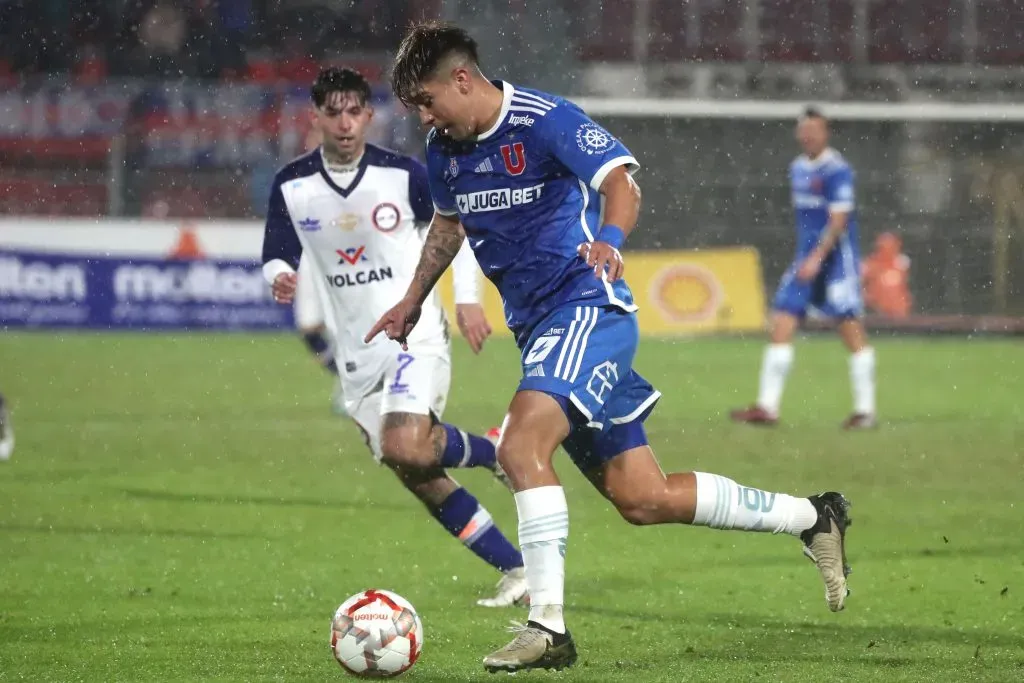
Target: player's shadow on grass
(774, 635)
(74, 530)
(937, 551)
(889, 633)
(53, 476)
(234, 499)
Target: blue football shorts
(583, 357)
(835, 292)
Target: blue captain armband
(613, 235)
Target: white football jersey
(363, 232)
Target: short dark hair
(334, 79)
(422, 50)
(813, 112)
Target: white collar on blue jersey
(827, 155)
(506, 101)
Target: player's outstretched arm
(444, 239)
(621, 210)
(443, 242)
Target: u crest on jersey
(514, 156)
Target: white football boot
(511, 590)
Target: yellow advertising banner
(690, 292)
(679, 293)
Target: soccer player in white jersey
(545, 196)
(824, 276)
(356, 212)
(310, 318)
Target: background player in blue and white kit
(354, 212)
(825, 276)
(545, 197)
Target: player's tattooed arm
(444, 239)
(442, 244)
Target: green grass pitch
(187, 509)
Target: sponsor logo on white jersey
(386, 217)
(496, 200)
(521, 120)
(347, 222)
(352, 255)
(363, 277)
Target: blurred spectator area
(266, 40)
(261, 40)
(788, 31)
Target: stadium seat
(906, 31)
(999, 32)
(668, 32)
(613, 39)
(721, 31)
(821, 31)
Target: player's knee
(641, 508)
(506, 454)
(638, 514)
(783, 327)
(518, 459)
(401, 447)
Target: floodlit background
(181, 503)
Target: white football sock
(862, 379)
(724, 504)
(778, 358)
(543, 532)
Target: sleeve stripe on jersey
(602, 173)
(445, 212)
(531, 110)
(841, 207)
(532, 99)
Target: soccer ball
(376, 634)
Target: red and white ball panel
(376, 634)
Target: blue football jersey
(819, 186)
(526, 192)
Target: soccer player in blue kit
(523, 175)
(825, 275)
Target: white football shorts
(414, 381)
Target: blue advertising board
(45, 290)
